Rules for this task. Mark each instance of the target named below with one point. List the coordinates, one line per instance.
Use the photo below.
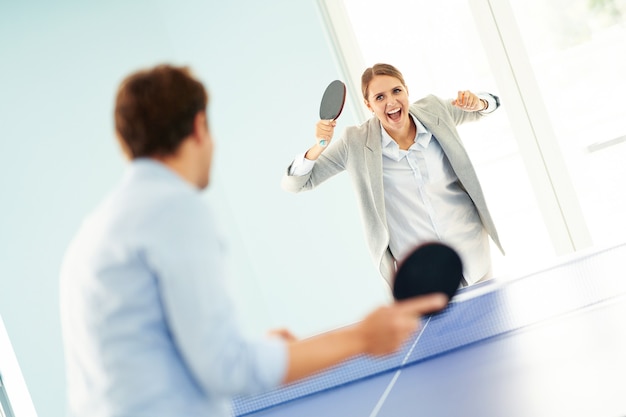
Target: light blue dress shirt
(148, 324)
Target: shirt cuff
(300, 165)
(492, 105)
(274, 356)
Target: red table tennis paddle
(431, 267)
(332, 102)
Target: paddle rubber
(333, 100)
(332, 103)
(431, 267)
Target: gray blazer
(359, 151)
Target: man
(148, 325)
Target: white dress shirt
(425, 202)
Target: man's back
(139, 307)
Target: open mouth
(394, 115)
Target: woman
(413, 178)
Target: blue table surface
(550, 343)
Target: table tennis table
(550, 343)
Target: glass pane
(577, 50)
(5, 405)
(12, 382)
(436, 47)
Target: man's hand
(384, 330)
(283, 334)
(381, 332)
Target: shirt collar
(423, 136)
(145, 167)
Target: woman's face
(388, 98)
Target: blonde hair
(378, 69)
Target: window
(576, 50)
(439, 50)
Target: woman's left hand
(468, 101)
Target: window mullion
(529, 119)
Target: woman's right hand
(324, 130)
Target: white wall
(298, 261)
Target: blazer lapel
(459, 159)
(374, 165)
(449, 142)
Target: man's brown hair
(155, 109)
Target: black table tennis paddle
(332, 102)
(431, 267)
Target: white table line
(383, 397)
